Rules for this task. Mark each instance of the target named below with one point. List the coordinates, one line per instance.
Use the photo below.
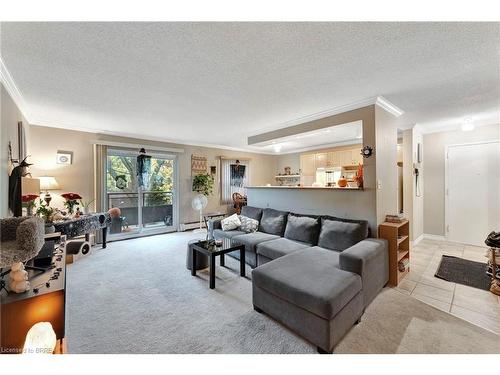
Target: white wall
(434, 154)
(386, 163)
(287, 160)
(10, 116)
(418, 196)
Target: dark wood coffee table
(211, 251)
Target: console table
(84, 225)
(44, 302)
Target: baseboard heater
(189, 226)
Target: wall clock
(367, 151)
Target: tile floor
(474, 305)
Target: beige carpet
(136, 296)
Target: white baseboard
(420, 238)
(188, 226)
(434, 237)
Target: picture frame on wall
(64, 157)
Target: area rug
(137, 296)
(463, 271)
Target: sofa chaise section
(307, 293)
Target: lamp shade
(48, 183)
(40, 339)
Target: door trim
(447, 177)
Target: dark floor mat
(463, 271)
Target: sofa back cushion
(252, 212)
(339, 234)
(302, 228)
(273, 221)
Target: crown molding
(388, 106)
(13, 90)
(376, 100)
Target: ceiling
(218, 83)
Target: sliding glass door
(146, 209)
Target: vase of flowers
(359, 176)
(28, 201)
(71, 200)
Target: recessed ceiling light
(277, 148)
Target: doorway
(472, 191)
(143, 210)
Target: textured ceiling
(217, 83)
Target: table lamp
(40, 339)
(48, 183)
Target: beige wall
(10, 116)
(75, 178)
(434, 154)
(78, 177)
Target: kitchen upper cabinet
(307, 169)
(358, 156)
(321, 160)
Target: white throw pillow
(230, 223)
(248, 225)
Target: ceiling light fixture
(467, 125)
(277, 148)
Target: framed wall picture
(64, 157)
(198, 165)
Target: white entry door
(473, 192)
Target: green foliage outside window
(158, 186)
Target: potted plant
(71, 200)
(46, 212)
(86, 205)
(28, 201)
(203, 184)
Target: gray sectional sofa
(314, 274)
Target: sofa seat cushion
(251, 240)
(219, 233)
(309, 279)
(273, 222)
(302, 228)
(335, 256)
(340, 234)
(281, 246)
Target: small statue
(18, 278)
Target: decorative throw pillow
(248, 225)
(230, 223)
